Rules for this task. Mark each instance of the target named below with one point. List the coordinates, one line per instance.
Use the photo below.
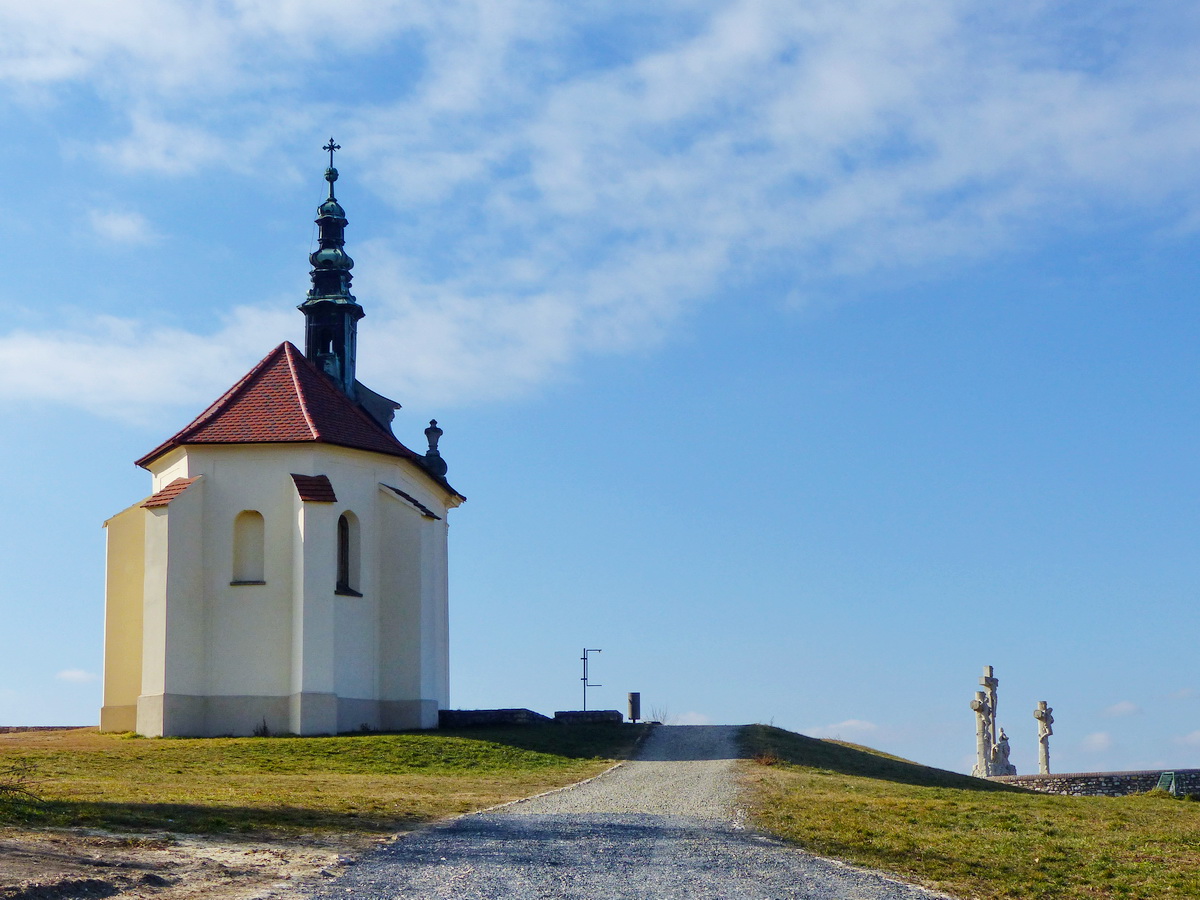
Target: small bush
(17, 780)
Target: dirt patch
(68, 864)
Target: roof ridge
(301, 397)
(351, 403)
(240, 385)
(213, 408)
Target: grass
(374, 783)
(966, 836)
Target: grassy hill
(349, 783)
(969, 837)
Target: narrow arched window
(347, 555)
(249, 554)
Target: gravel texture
(665, 825)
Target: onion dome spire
(332, 313)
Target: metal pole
(586, 651)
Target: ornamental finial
(331, 174)
(331, 146)
(433, 461)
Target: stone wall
(14, 729)
(480, 718)
(589, 717)
(1104, 784)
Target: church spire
(331, 312)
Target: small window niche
(347, 556)
(249, 550)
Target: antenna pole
(586, 685)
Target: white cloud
(184, 48)
(570, 206)
(1191, 740)
(848, 728)
(127, 371)
(121, 227)
(1123, 708)
(691, 718)
(1097, 742)
(76, 676)
(1185, 694)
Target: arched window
(347, 555)
(248, 548)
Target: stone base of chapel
(118, 718)
(305, 713)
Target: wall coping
(1037, 776)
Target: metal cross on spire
(331, 146)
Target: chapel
(288, 572)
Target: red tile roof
(285, 398)
(316, 488)
(169, 493)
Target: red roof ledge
(286, 399)
(169, 493)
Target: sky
(804, 357)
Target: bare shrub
(18, 780)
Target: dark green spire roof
(332, 313)
(331, 263)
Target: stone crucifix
(989, 682)
(983, 735)
(1045, 717)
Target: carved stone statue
(1000, 763)
(983, 735)
(1045, 717)
(991, 743)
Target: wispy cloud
(76, 676)
(575, 202)
(1185, 694)
(1122, 708)
(1097, 742)
(121, 227)
(692, 718)
(128, 371)
(848, 728)
(1191, 740)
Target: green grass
(966, 836)
(350, 783)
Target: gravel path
(663, 826)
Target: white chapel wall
(291, 652)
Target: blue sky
(804, 356)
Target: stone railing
(1104, 784)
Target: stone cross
(1045, 717)
(983, 735)
(989, 683)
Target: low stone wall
(589, 716)
(1104, 784)
(480, 718)
(15, 729)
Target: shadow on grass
(583, 741)
(770, 745)
(192, 818)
